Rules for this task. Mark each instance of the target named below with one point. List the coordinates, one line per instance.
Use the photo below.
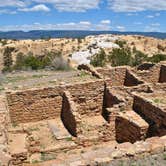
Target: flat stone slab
(17, 143)
(95, 120)
(57, 128)
(4, 158)
(134, 118)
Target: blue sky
(121, 15)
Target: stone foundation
(118, 107)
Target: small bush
(139, 57)
(121, 43)
(157, 58)
(120, 57)
(53, 60)
(20, 58)
(4, 42)
(99, 60)
(7, 59)
(32, 62)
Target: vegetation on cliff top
(124, 56)
(53, 60)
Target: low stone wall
(130, 127)
(90, 69)
(131, 79)
(110, 99)
(152, 75)
(119, 76)
(88, 96)
(69, 114)
(108, 153)
(34, 105)
(153, 114)
(116, 75)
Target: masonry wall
(152, 75)
(88, 96)
(154, 115)
(67, 114)
(131, 80)
(34, 105)
(109, 101)
(116, 75)
(127, 131)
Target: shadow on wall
(131, 80)
(153, 115)
(162, 77)
(67, 116)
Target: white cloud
(154, 27)
(136, 5)
(83, 25)
(150, 28)
(72, 5)
(155, 24)
(120, 28)
(138, 23)
(153, 16)
(132, 14)
(12, 3)
(60, 5)
(5, 11)
(150, 16)
(105, 22)
(36, 8)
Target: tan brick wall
(127, 131)
(116, 75)
(34, 105)
(154, 115)
(152, 75)
(88, 97)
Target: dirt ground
(35, 79)
(154, 160)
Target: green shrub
(20, 58)
(27, 61)
(120, 57)
(4, 42)
(32, 62)
(157, 58)
(7, 59)
(139, 57)
(121, 43)
(52, 59)
(99, 60)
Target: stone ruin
(123, 111)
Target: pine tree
(7, 58)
